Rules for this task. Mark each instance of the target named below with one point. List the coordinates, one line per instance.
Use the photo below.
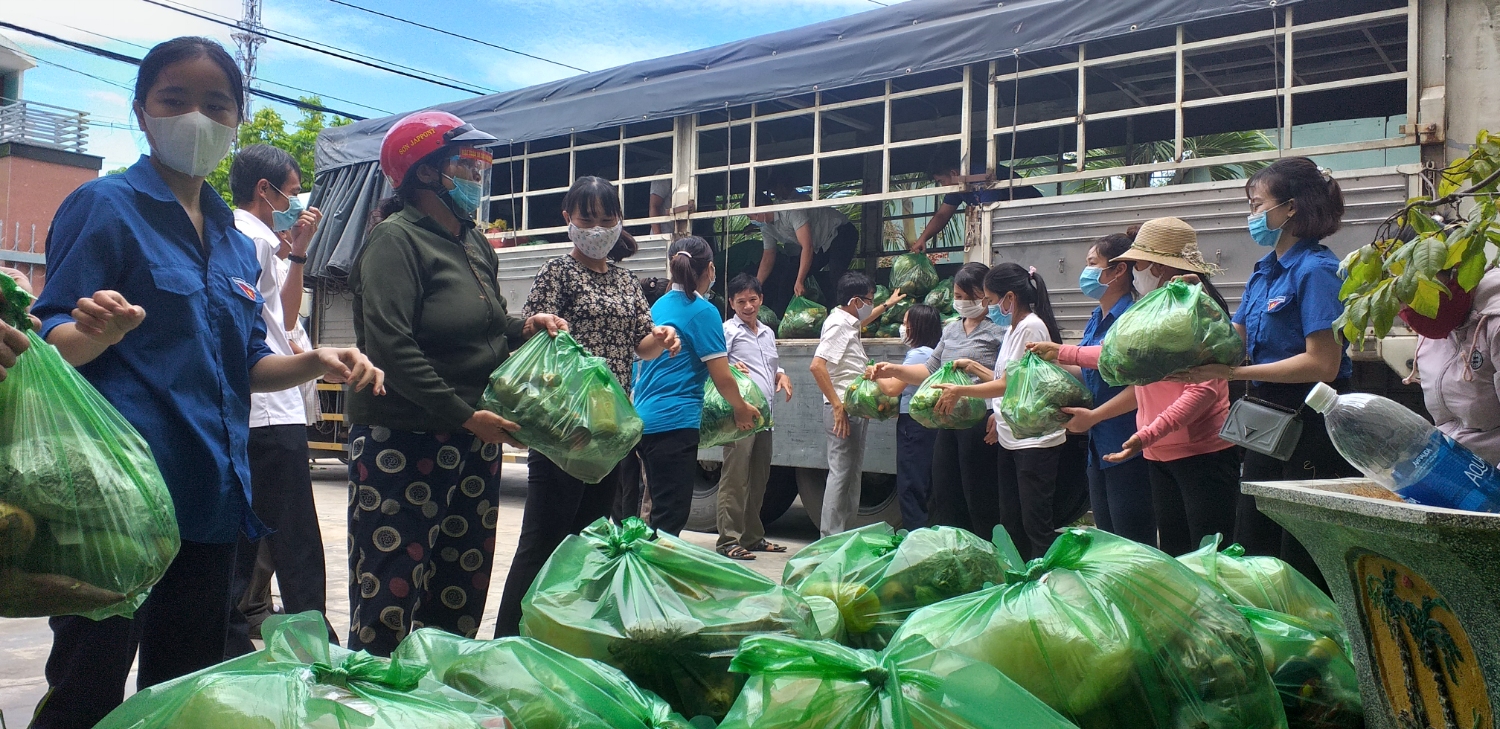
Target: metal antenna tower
(247, 40)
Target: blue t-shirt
(669, 390)
(1107, 436)
(915, 355)
(182, 378)
(1289, 298)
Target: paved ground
(24, 643)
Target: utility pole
(247, 40)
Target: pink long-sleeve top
(1173, 420)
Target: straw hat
(1170, 242)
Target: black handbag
(1263, 427)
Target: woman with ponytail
(1031, 504)
(669, 390)
(607, 313)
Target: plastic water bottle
(1399, 450)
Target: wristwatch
(294, 258)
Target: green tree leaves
(267, 126)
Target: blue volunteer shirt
(1107, 436)
(914, 356)
(669, 389)
(183, 377)
(1287, 299)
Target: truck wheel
(704, 516)
(877, 497)
(781, 491)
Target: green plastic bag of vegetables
(768, 317)
(667, 613)
(941, 296)
(812, 290)
(878, 577)
(87, 525)
(802, 684)
(803, 320)
(1113, 634)
(1036, 391)
(1267, 583)
(1169, 330)
(897, 313)
(298, 681)
(889, 331)
(863, 399)
(882, 292)
(536, 685)
(568, 404)
(967, 413)
(913, 274)
(1318, 685)
(717, 426)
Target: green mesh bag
(768, 317)
(669, 614)
(967, 413)
(803, 319)
(863, 399)
(803, 684)
(878, 577)
(1171, 329)
(298, 681)
(87, 525)
(1267, 583)
(1036, 391)
(536, 685)
(913, 274)
(568, 404)
(1113, 634)
(717, 426)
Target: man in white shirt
(265, 183)
(838, 360)
(747, 463)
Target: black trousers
(1029, 504)
(914, 448)
(556, 505)
(1195, 497)
(1121, 498)
(671, 460)
(1314, 458)
(628, 496)
(281, 495)
(965, 489)
(179, 629)
(833, 262)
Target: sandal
(765, 546)
(735, 551)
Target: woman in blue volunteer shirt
(1119, 493)
(150, 294)
(669, 390)
(1286, 318)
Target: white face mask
(1145, 281)
(594, 243)
(190, 143)
(864, 311)
(901, 331)
(969, 309)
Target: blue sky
(592, 35)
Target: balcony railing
(44, 125)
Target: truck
(1144, 109)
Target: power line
(262, 79)
(329, 50)
(83, 73)
(113, 56)
(455, 35)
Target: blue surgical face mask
(1088, 281)
(1000, 318)
(285, 219)
(465, 196)
(1260, 230)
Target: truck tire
(704, 515)
(877, 497)
(781, 491)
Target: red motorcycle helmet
(420, 134)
